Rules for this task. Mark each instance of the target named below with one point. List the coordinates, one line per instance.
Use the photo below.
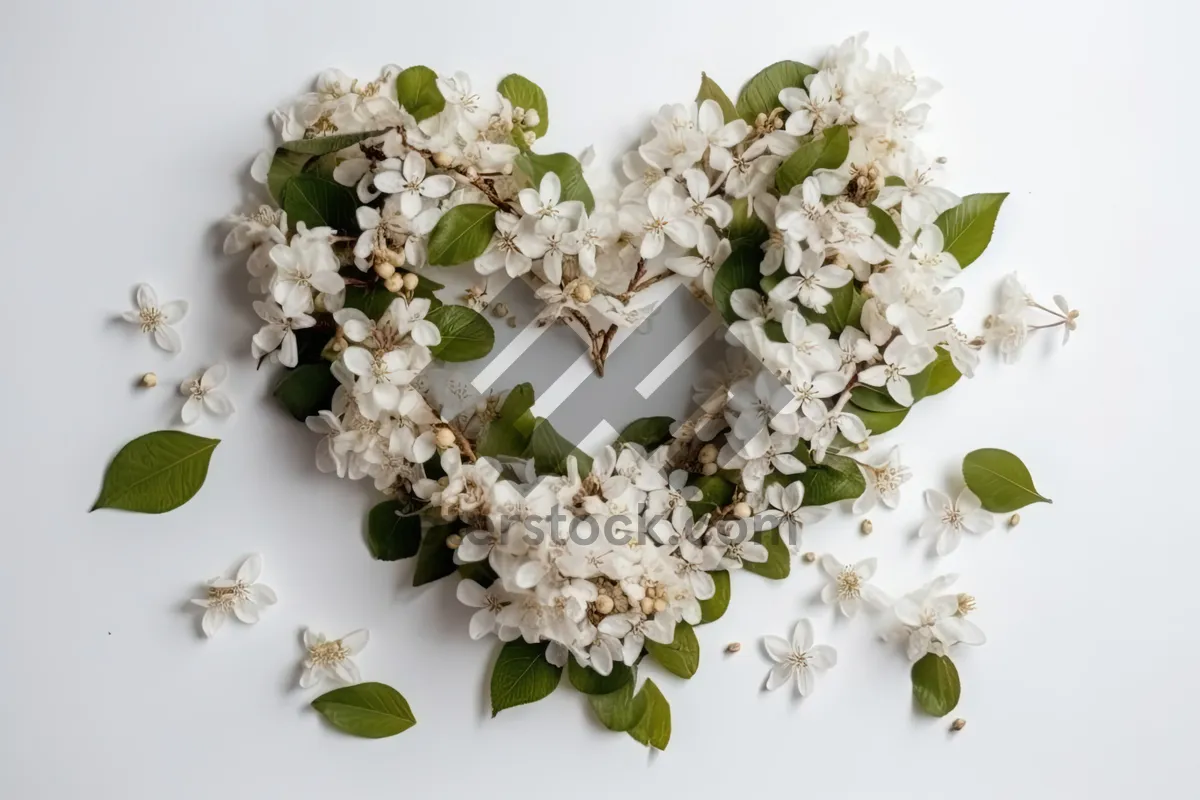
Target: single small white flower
(545, 203)
(331, 659)
(409, 317)
(883, 482)
(489, 601)
(812, 282)
(901, 360)
(412, 185)
(849, 586)
(788, 512)
(279, 333)
(503, 252)
(241, 596)
(1070, 317)
(157, 319)
(797, 660)
(204, 391)
(949, 518)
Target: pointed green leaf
(306, 390)
(836, 478)
(588, 681)
(156, 472)
(714, 607)
(779, 558)
(885, 226)
(760, 95)
(709, 90)
(1000, 480)
(935, 684)
(967, 228)
(827, 151)
(320, 202)
(838, 313)
(391, 534)
(682, 656)
(466, 335)
(417, 92)
(526, 94)
(746, 228)
(878, 422)
(522, 675)
(285, 165)
(549, 451)
(740, 271)
(649, 432)
(942, 374)
(435, 559)
(620, 710)
(461, 235)
(370, 710)
(715, 492)
(323, 145)
(653, 729)
(568, 169)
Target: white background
(127, 127)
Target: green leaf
(740, 271)
(746, 228)
(760, 95)
(479, 571)
(466, 335)
(714, 607)
(373, 300)
(588, 681)
(525, 93)
(649, 432)
(828, 151)
(323, 145)
(391, 534)
(369, 710)
(874, 398)
(885, 226)
(320, 202)
(435, 559)
(549, 451)
(285, 165)
(942, 374)
(836, 478)
(417, 92)
(522, 675)
(837, 314)
(682, 656)
(653, 729)
(779, 558)
(715, 492)
(878, 422)
(569, 172)
(935, 684)
(620, 710)
(306, 390)
(967, 228)
(1000, 479)
(461, 235)
(508, 434)
(709, 90)
(156, 472)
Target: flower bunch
(804, 213)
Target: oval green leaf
(714, 607)
(649, 432)
(827, 151)
(715, 492)
(156, 472)
(878, 422)
(320, 202)
(323, 145)
(935, 684)
(967, 228)
(653, 729)
(779, 558)
(942, 374)
(834, 479)
(550, 450)
(466, 335)
(417, 92)
(746, 228)
(461, 235)
(620, 710)
(1000, 480)
(682, 656)
(568, 169)
(392, 535)
(709, 90)
(522, 675)
(885, 226)
(523, 92)
(369, 710)
(435, 559)
(306, 390)
(839, 313)
(740, 271)
(588, 681)
(285, 165)
(760, 95)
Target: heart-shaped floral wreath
(803, 213)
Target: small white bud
(810, 557)
(445, 438)
(742, 510)
(394, 284)
(149, 380)
(708, 454)
(709, 469)
(583, 293)
(604, 604)
(1014, 520)
(530, 138)
(958, 724)
(385, 270)
(453, 541)
(443, 159)
(647, 605)
(410, 281)
(507, 169)
(531, 118)
(660, 605)
(733, 647)
(867, 526)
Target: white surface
(127, 127)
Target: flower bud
(867, 526)
(958, 724)
(410, 281)
(709, 468)
(472, 173)
(530, 138)
(385, 270)
(742, 510)
(443, 159)
(810, 557)
(708, 454)
(660, 605)
(531, 118)
(394, 284)
(445, 438)
(582, 293)
(149, 380)
(733, 647)
(647, 605)
(507, 169)
(604, 604)
(1014, 520)
(453, 541)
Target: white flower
(932, 622)
(849, 586)
(928, 252)
(762, 403)
(710, 120)
(803, 218)
(331, 455)
(813, 110)
(901, 359)
(700, 205)
(594, 234)
(855, 349)
(811, 282)
(662, 214)
(503, 252)
(204, 392)
(489, 601)
(242, 596)
(280, 331)
(411, 184)
(949, 518)
(797, 660)
(547, 240)
(408, 317)
(472, 110)
(883, 482)
(545, 205)
(156, 319)
(331, 659)
(1069, 317)
(920, 201)
(788, 513)
(305, 265)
